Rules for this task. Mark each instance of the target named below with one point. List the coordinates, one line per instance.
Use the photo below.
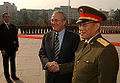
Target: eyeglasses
(55, 20)
(85, 24)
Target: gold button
(87, 61)
(72, 78)
(78, 62)
(75, 70)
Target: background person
(8, 46)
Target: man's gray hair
(63, 15)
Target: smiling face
(88, 29)
(6, 17)
(57, 22)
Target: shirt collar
(61, 32)
(6, 23)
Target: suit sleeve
(17, 41)
(42, 54)
(1, 39)
(108, 65)
(68, 67)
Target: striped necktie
(56, 46)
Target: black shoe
(15, 78)
(9, 80)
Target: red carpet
(32, 37)
(35, 37)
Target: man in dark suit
(96, 60)
(8, 46)
(58, 69)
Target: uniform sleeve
(108, 65)
(17, 41)
(42, 54)
(66, 68)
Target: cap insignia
(81, 11)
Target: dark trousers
(57, 78)
(10, 56)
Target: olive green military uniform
(96, 63)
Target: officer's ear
(97, 25)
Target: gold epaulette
(103, 42)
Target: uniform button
(75, 70)
(72, 78)
(86, 61)
(78, 62)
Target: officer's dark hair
(63, 15)
(4, 14)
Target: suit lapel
(52, 39)
(5, 27)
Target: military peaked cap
(90, 14)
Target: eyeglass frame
(86, 23)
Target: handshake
(53, 66)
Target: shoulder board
(103, 42)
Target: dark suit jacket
(66, 56)
(8, 38)
(97, 63)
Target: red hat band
(90, 17)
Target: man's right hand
(53, 66)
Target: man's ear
(97, 25)
(64, 22)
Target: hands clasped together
(53, 66)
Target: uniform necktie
(85, 45)
(56, 46)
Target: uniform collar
(88, 41)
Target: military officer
(96, 59)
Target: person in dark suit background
(96, 60)
(8, 45)
(60, 69)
